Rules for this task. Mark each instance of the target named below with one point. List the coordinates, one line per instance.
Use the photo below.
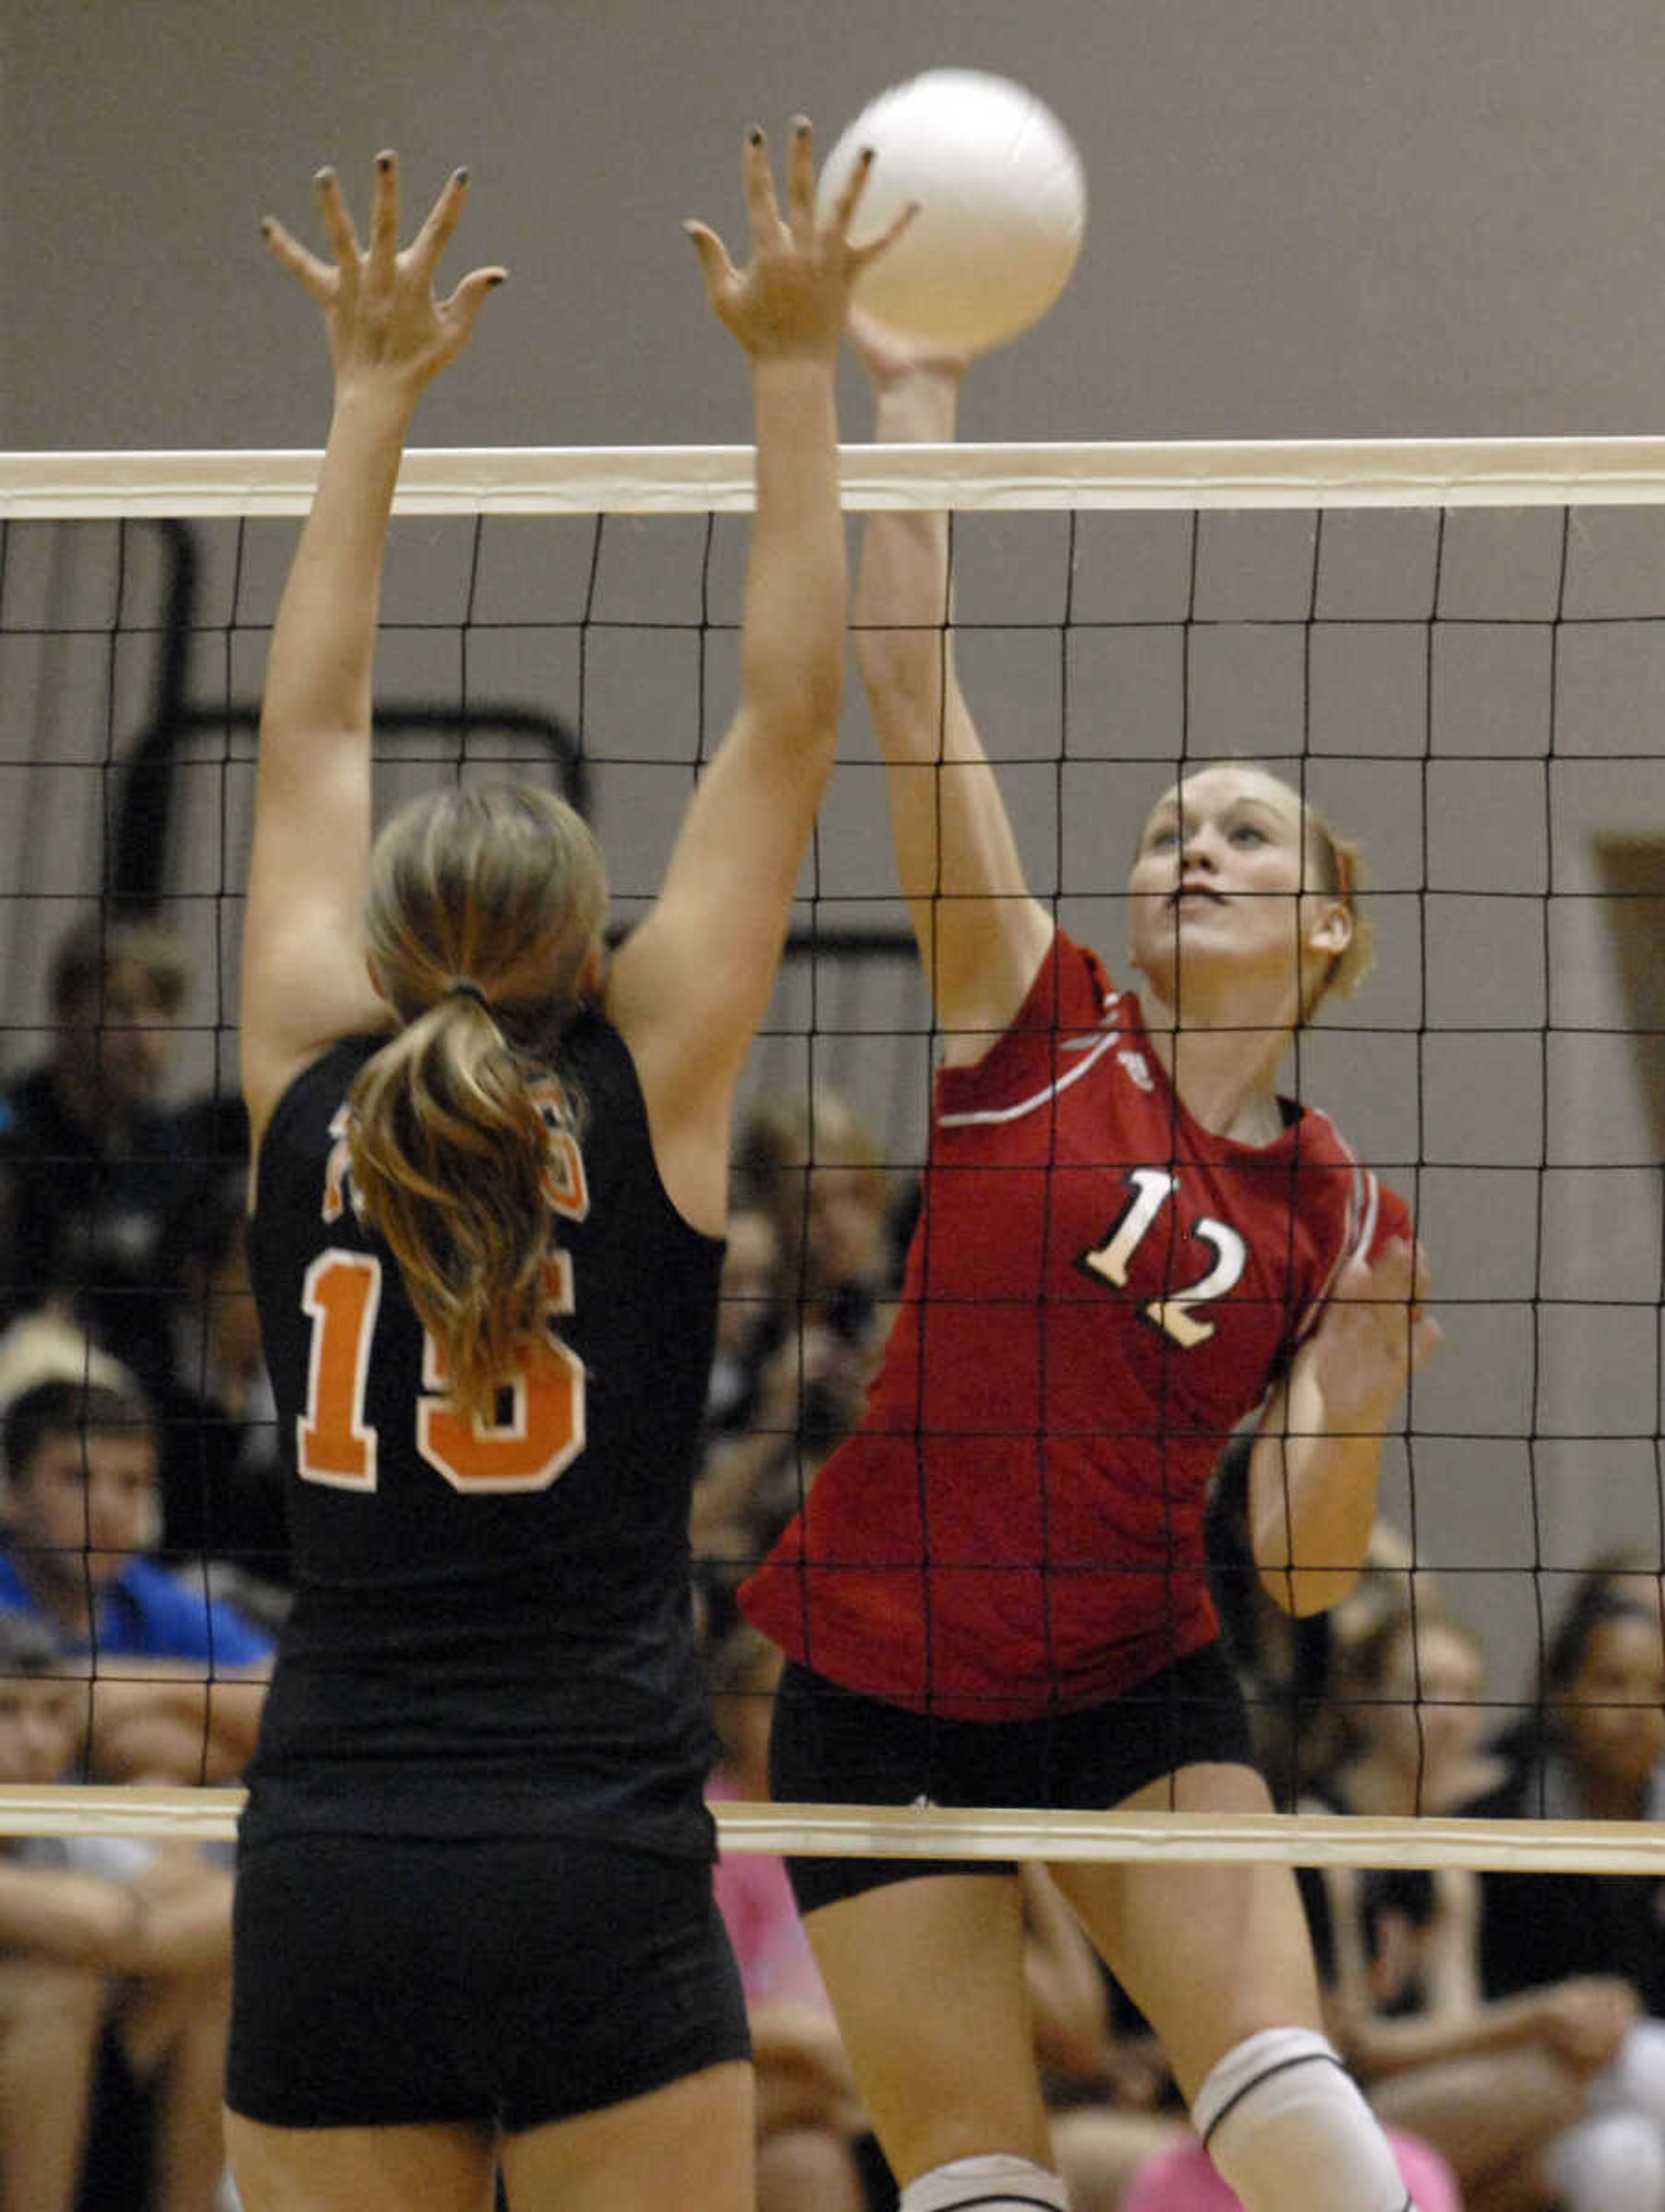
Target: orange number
(543, 1430)
(341, 1292)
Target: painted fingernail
(754, 135)
(460, 176)
(801, 125)
(384, 161)
(323, 177)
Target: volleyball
(1002, 205)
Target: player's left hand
(1375, 1334)
(385, 325)
(791, 297)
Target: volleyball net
(1456, 647)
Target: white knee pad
(1286, 2127)
(992, 2182)
(1609, 2159)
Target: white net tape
(1498, 472)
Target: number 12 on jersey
(1150, 1188)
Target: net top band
(1428, 472)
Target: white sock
(1612, 2159)
(1287, 2128)
(993, 2183)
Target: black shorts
(380, 1982)
(834, 1747)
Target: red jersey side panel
(1098, 1292)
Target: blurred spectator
(791, 1383)
(109, 1947)
(89, 1162)
(221, 1477)
(46, 1345)
(1513, 2087)
(814, 1167)
(747, 1316)
(175, 1691)
(1593, 1754)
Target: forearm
(323, 644)
(903, 649)
(76, 1919)
(1382, 2048)
(173, 1726)
(797, 582)
(1313, 1498)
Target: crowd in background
(1511, 2027)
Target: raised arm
(1313, 1468)
(981, 934)
(688, 988)
(304, 982)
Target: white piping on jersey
(1364, 1211)
(1039, 1098)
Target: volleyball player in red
(1128, 1245)
(473, 1912)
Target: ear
(374, 975)
(1333, 931)
(593, 974)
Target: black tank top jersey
(493, 1631)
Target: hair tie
(464, 986)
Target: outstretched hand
(791, 299)
(1375, 1334)
(384, 323)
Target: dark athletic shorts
(834, 1747)
(378, 1982)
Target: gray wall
(1309, 217)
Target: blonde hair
(1343, 871)
(448, 1144)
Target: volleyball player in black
(474, 1920)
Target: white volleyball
(1002, 206)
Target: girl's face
(1613, 1721)
(1224, 890)
(1428, 1718)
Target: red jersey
(1098, 1292)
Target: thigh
(360, 2169)
(1209, 1954)
(687, 2144)
(926, 1978)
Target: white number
(1113, 1258)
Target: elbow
(800, 701)
(902, 672)
(1302, 1591)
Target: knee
(806, 2170)
(43, 1996)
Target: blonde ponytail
(448, 1145)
